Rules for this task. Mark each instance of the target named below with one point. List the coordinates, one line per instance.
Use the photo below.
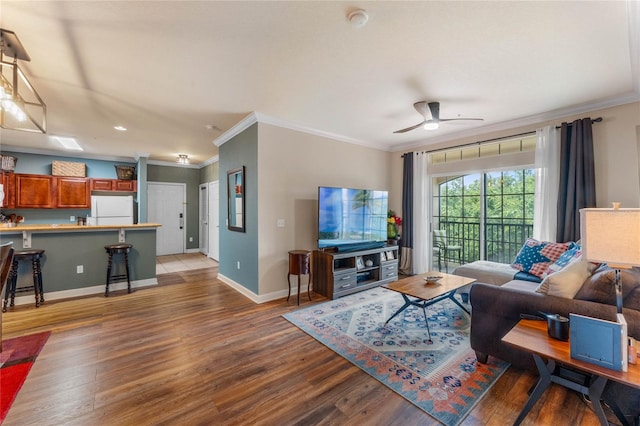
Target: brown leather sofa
(496, 309)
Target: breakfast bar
(75, 262)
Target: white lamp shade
(611, 236)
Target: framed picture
(383, 257)
(390, 255)
(359, 262)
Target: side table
(299, 264)
(531, 336)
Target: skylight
(67, 143)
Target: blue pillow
(535, 256)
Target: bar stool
(34, 256)
(112, 250)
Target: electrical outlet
(79, 269)
(238, 264)
(190, 239)
(72, 218)
(280, 223)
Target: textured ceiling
(166, 70)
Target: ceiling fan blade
(462, 119)
(424, 110)
(410, 128)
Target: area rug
(441, 376)
(16, 359)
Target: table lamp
(611, 236)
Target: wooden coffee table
(532, 336)
(426, 294)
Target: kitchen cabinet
(114, 185)
(73, 193)
(7, 181)
(35, 191)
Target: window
(488, 213)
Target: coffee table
(532, 336)
(426, 294)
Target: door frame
(214, 220)
(203, 218)
(184, 213)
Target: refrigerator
(111, 210)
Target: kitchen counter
(70, 227)
(75, 261)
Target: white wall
(291, 166)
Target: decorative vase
(392, 231)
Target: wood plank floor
(193, 351)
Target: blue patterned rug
(441, 376)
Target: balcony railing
(502, 241)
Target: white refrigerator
(111, 210)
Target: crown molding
(258, 117)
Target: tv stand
(337, 274)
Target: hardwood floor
(193, 351)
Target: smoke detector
(358, 18)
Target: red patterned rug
(16, 359)
(441, 376)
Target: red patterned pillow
(535, 256)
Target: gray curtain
(406, 242)
(577, 177)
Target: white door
(204, 218)
(214, 220)
(166, 203)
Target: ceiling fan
(431, 113)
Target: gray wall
(191, 177)
(210, 173)
(241, 150)
(64, 251)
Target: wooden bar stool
(34, 256)
(112, 250)
(299, 264)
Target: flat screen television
(352, 219)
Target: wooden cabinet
(337, 274)
(114, 185)
(73, 193)
(7, 181)
(35, 191)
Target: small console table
(531, 336)
(299, 264)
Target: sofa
(496, 308)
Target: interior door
(204, 218)
(214, 220)
(166, 204)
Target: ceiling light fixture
(433, 125)
(182, 159)
(120, 128)
(67, 143)
(21, 108)
(358, 18)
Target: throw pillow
(574, 252)
(535, 256)
(568, 281)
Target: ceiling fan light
(431, 126)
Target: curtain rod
(595, 120)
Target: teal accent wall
(241, 150)
(64, 251)
(210, 173)
(191, 177)
(143, 205)
(41, 164)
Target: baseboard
(85, 291)
(193, 250)
(260, 298)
